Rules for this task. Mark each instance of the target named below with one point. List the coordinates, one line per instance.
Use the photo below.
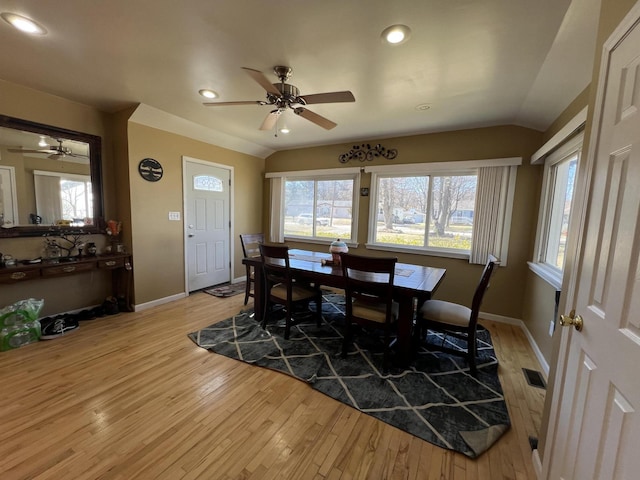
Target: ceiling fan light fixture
(42, 142)
(206, 93)
(396, 34)
(23, 24)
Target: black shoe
(110, 306)
(85, 315)
(54, 327)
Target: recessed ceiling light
(423, 106)
(396, 34)
(208, 93)
(23, 24)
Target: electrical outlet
(552, 327)
(175, 216)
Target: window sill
(320, 241)
(546, 273)
(418, 251)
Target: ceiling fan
(54, 151)
(284, 95)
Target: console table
(119, 264)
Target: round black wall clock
(150, 169)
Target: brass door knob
(572, 319)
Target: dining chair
(457, 320)
(369, 297)
(282, 288)
(250, 242)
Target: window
(63, 196)
(456, 209)
(317, 205)
(208, 183)
(434, 211)
(555, 210)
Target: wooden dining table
(411, 283)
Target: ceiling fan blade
(242, 102)
(315, 118)
(329, 97)
(264, 82)
(18, 150)
(270, 120)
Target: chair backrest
(483, 286)
(250, 244)
(275, 263)
(369, 279)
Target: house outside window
(560, 170)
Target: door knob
(572, 319)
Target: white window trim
(549, 273)
(277, 201)
(76, 177)
(463, 167)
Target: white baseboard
(159, 301)
(537, 463)
(516, 321)
(239, 279)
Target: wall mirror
(50, 180)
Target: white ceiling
(476, 63)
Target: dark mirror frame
(95, 160)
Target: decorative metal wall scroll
(367, 152)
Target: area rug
(435, 399)
(228, 290)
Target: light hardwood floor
(130, 396)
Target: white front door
(594, 427)
(207, 224)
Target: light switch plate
(174, 216)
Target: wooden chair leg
(471, 351)
(247, 290)
(287, 327)
(265, 311)
(347, 339)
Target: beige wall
(68, 293)
(157, 243)
(508, 285)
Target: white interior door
(207, 224)
(594, 429)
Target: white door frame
(186, 159)
(577, 230)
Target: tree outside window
(422, 211)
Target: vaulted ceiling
(472, 63)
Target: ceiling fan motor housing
(288, 95)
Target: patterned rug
(434, 399)
(227, 290)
